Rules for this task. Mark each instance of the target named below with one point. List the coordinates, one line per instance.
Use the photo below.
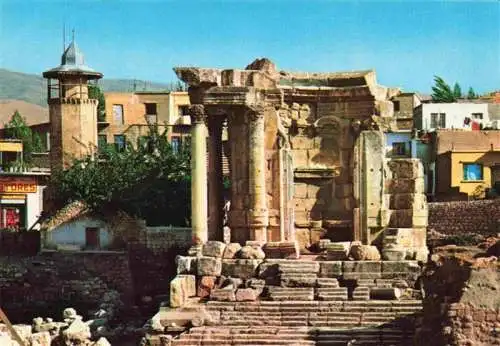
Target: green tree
(17, 128)
(148, 180)
(96, 93)
(471, 94)
(457, 91)
(441, 91)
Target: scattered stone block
(241, 268)
(213, 248)
(251, 252)
(246, 295)
(323, 244)
(181, 287)
(255, 283)
(40, 339)
(185, 264)
(209, 266)
(231, 250)
(338, 251)
(101, 342)
(205, 286)
(361, 252)
(223, 294)
(233, 283)
(77, 333)
(298, 267)
(384, 293)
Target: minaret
(73, 116)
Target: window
(151, 108)
(473, 171)
(102, 142)
(120, 142)
(176, 144)
(438, 120)
(92, 240)
(442, 120)
(396, 106)
(183, 110)
(434, 119)
(118, 114)
(398, 148)
(477, 115)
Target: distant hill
(33, 88)
(34, 114)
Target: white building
(432, 116)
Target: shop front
(19, 198)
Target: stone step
(334, 293)
(298, 280)
(299, 267)
(291, 294)
(327, 283)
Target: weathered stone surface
(231, 250)
(177, 293)
(330, 269)
(231, 282)
(223, 294)
(209, 266)
(251, 252)
(40, 339)
(394, 253)
(298, 279)
(396, 186)
(407, 201)
(338, 251)
(241, 268)
(246, 294)
(303, 237)
(327, 282)
(213, 248)
(364, 253)
(361, 270)
(205, 286)
(185, 264)
(189, 284)
(77, 333)
(101, 342)
(406, 168)
(382, 293)
(361, 293)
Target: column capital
(197, 113)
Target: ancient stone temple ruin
(326, 233)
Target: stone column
(258, 218)
(215, 174)
(198, 175)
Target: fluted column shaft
(199, 227)
(258, 219)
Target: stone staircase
(292, 322)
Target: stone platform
(305, 301)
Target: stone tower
(73, 115)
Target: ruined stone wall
(152, 258)
(462, 217)
(46, 283)
(461, 305)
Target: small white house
(433, 116)
(75, 228)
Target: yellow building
(129, 114)
(467, 163)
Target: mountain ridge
(32, 88)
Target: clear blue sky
(406, 42)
